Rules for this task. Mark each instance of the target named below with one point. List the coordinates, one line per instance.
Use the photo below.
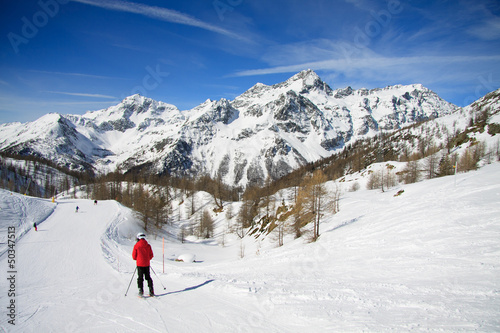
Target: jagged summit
(305, 81)
(268, 131)
(308, 77)
(134, 98)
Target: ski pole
(158, 278)
(130, 281)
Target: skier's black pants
(143, 273)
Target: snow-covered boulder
(187, 257)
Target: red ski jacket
(142, 253)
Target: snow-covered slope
(426, 260)
(266, 132)
(19, 213)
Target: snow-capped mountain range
(267, 131)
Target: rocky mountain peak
(306, 81)
(136, 98)
(343, 92)
(306, 75)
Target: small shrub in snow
(399, 193)
(355, 187)
(493, 128)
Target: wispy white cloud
(75, 74)
(315, 50)
(22, 108)
(378, 64)
(462, 19)
(100, 104)
(486, 30)
(81, 94)
(356, 61)
(160, 13)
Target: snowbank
(19, 213)
(186, 257)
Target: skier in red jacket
(143, 254)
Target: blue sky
(70, 56)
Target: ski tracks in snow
(150, 302)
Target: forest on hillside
(428, 149)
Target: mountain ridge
(267, 131)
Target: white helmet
(141, 236)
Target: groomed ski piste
(427, 260)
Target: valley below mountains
(266, 132)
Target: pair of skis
(143, 296)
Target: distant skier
(77, 208)
(34, 225)
(95, 202)
(143, 254)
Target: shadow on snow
(187, 289)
